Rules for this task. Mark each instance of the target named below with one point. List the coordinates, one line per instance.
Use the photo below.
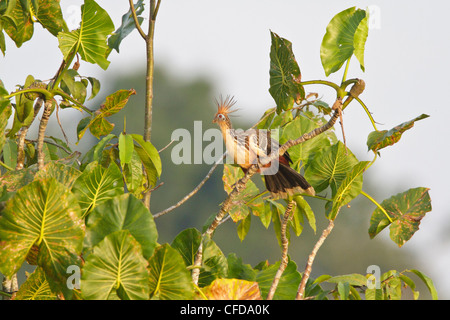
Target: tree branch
(23, 134)
(41, 134)
(190, 194)
(284, 244)
(311, 258)
(149, 80)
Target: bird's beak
(214, 120)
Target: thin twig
(136, 21)
(193, 192)
(284, 253)
(312, 256)
(59, 123)
(172, 141)
(157, 187)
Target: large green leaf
(349, 188)
(49, 14)
(64, 174)
(36, 287)
(346, 34)
(18, 23)
(214, 263)
(238, 270)
(43, 217)
(150, 159)
(330, 167)
(406, 210)
(90, 39)
(244, 201)
(380, 139)
(301, 153)
(288, 285)
(169, 278)
(97, 184)
(16, 179)
(284, 74)
(123, 212)
(116, 266)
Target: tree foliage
(87, 212)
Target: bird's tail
(286, 182)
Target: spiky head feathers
(224, 109)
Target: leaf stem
(44, 92)
(378, 205)
(367, 112)
(340, 92)
(344, 76)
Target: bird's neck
(225, 126)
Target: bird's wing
(262, 143)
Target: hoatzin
(249, 147)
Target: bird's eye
(221, 116)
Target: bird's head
(223, 109)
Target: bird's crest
(224, 105)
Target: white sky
(407, 74)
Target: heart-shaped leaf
(288, 285)
(123, 212)
(169, 278)
(285, 76)
(346, 34)
(406, 210)
(214, 263)
(43, 216)
(116, 266)
(97, 184)
(90, 39)
(19, 25)
(49, 15)
(36, 287)
(64, 174)
(349, 188)
(330, 167)
(301, 153)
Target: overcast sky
(407, 74)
